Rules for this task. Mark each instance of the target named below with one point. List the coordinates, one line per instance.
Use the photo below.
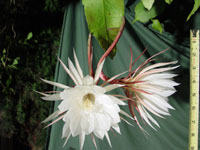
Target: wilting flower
(148, 89)
(85, 108)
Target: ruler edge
(191, 140)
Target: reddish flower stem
(109, 50)
(90, 55)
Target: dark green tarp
(173, 131)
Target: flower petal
(116, 128)
(108, 139)
(157, 65)
(112, 87)
(88, 80)
(78, 65)
(52, 116)
(98, 71)
(117, 100)
(66, 133)
(100, 134)
(144, 116)
(68, 72)
(81, 140)
(87, 123)
(53, 97)
(74, 72)
(155, 108)
(75, 125)
(159, 76)
(55, 84)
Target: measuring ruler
(194, 89)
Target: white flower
(149, 89)
(85, 108)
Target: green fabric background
(173, 131)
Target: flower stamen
(88, 100)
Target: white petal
(164, 83)
(93, 140)
(52, 97)
(88, 80)
(102, 122)
(98, 71)
(126, 114)
(108, 139)
(44, 94)
(157, 65)
(99, 134)
(64, 105)
(159, 76)
(155, 108)
(66, 119)
(52, 116)
(68, 72)
(78, 65)
(164, 92)
(157, 100)
(114, 77)
(151, 118)
(59, 118)
(81, 140)
(87, 124)
(144, 116)
(111, 87)
(74, 72)
(150, 108)
(55, 84)
(75, 125)
(126, 121)
(66, 130)
(66, 134)
(113, 113)
(116, 128)
(117, 100)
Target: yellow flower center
(88, 101)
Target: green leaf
(29, 36)
(148, 3)
(16, 61)
(196, 6)
(143, 15)
(3, 62)
(156, 25)
(8, 82)
(168, 1)
(104, 18)
(4, 51)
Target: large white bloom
(85, 108)
(149, 89)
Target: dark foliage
(29, 35)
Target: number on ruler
(193, 134)
(193, 94)
(193, 81)
(194, 67)
(193, 121)
(193, 54)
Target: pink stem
(131, 61)
(90, 55)
(109, 50)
